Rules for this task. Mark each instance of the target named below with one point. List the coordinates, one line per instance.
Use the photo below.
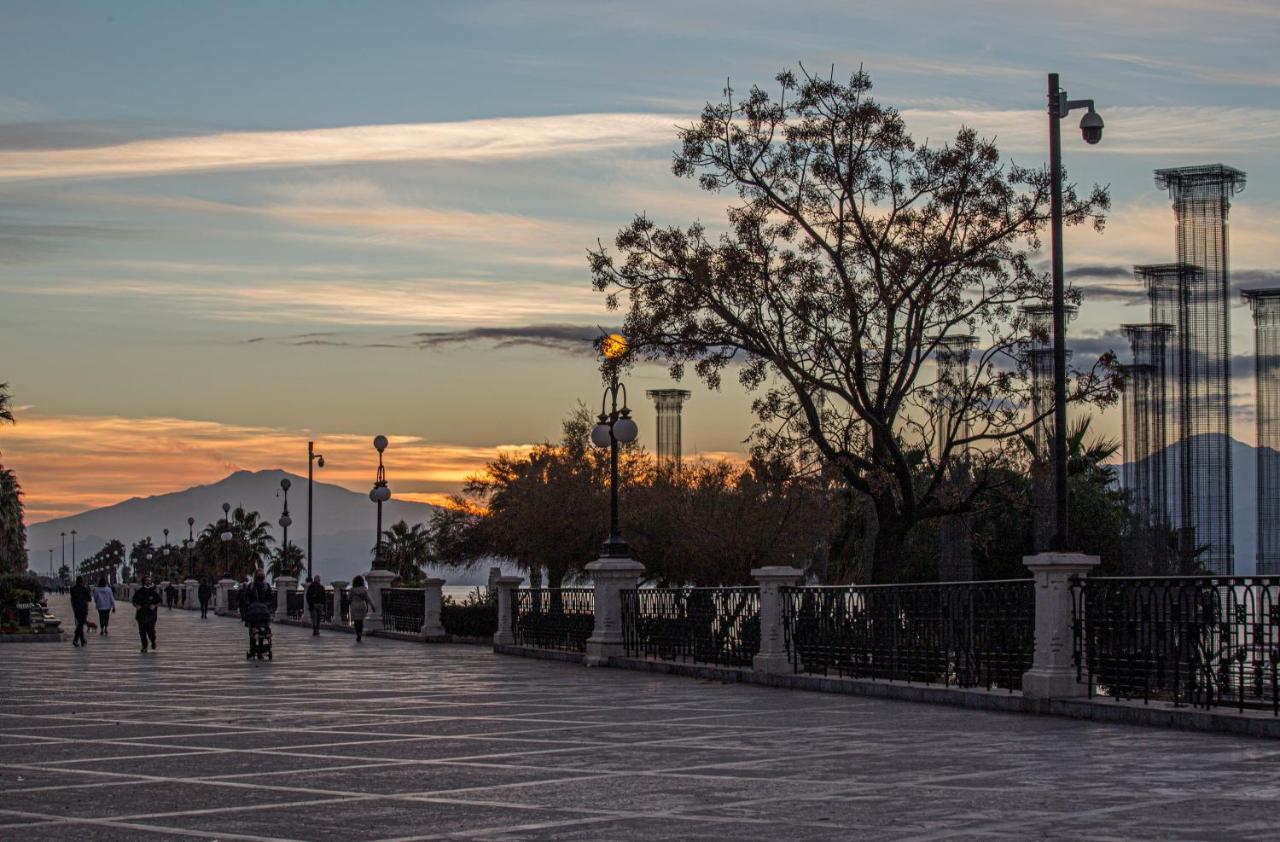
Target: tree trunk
(889, 537)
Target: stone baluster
(376, 581)
(225, 587)
(285, 585)
(610, 576)
(1053, 674)
(339, 587)
(773, 645)
(506, 586)
(432, 601)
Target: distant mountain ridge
(344, 524)
(1244, 509)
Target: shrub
(476, 616)
(16, 588)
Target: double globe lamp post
(379, 494)
(285, 522)
(614, 426)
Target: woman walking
(361, 606)
(105, 601)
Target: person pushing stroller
(258, 608)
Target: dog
(90, 625)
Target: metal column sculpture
(1145, 441)
(669, 403)
(1266, 336)
(1201, 201)
(955, 547)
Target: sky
(228, 228)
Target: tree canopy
(850, 261)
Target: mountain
(1244, 509)
(344, 522)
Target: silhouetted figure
(361, 605)
(257, 616)
(105, 600)
(315, 604)
(80, 597)
(147, 600)
(204, 594)
(170, 595)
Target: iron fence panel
(1204, 641)
(707, 625)
(957, 634)
(553, 618)
(402, 609)
(294, 604)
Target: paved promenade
(392, 740)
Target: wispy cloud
(570, 338)
(469, 140)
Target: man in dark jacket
(147, 600)
(259, 591)
(205, 593)
(80, 597)
(315, 604)
(170, 595)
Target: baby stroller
(258, 618)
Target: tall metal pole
(51, 563)
(64, 550)
(379, 494)
(311, 458)
(74, 566)
(1060, 534)
(614, 537)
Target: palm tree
(13, 533)
(406, 550)
(252, 536)
(286, 561)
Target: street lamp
(316, 460)
(1091, 129)
(64, 550)
(613, 428)
(285, 520)
(379, 494)
(74, 566)
(191, 545)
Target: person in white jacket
(105, 601)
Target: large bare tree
(851, 256)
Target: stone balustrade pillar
(339, 588)
(432, 602)
(506, 585)
(772, 657)
(191, 586)
(223, 605)
(610, 576)
(1052, 674)
(284, 585)
(376, 581)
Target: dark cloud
(1112, 292)
(1242, 279)
(566, 338)
(1097, 271)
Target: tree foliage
(407, 550)
(851, 253)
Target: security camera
(320, 461)
(1091, 127)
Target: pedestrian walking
(80, 597)
(244, 600)
(105, 601)
(170, 595)
(147, 600)
(315, 604)
(361, 606)
(204, 593)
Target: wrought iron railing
(706, 625)
(957, 634)
(553, 618)
(233, 601)
(1205, 641)
(295, 604)
(344, 607)
(328, 605)
(402, 609)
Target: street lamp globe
(285, 484)
(226, 536)
(625, 430)
(600, 435)
(380, 494)
(379, 443)
(286, 521)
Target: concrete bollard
(1052, 674)
(772, 657)
(610, 576)
(506, 585)
(432, 601)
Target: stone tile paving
(393, 740)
